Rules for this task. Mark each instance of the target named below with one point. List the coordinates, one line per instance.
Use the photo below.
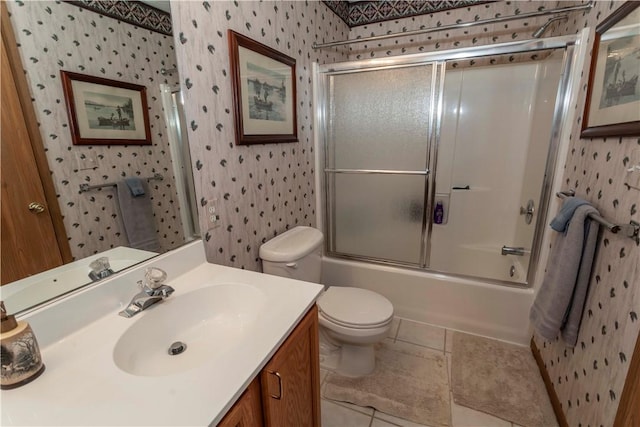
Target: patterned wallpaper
(259, 190)
(589, 378)
(54, 36)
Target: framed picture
(103, 111)
(264, 92)
(613, 96)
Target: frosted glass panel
(379, 216)
(380, 119)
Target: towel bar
(631, 230)
(87, 187)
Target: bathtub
(492, 310)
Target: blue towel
(137, 217)
(560, 301)
(135, 185)
(561, 221)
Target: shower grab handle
(509, 250)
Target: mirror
(55, 36)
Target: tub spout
(508, 250)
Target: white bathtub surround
(500, 153)
(490, 310)
(78, 335)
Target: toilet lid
(355, 307)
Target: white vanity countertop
(83, 386)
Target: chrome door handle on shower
(528, 211)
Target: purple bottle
(438, 213)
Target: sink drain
(177, 347)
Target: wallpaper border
(369, 12)
(131, 12)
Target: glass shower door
(379, 124)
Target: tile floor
(340, 414)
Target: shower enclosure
(404, 137)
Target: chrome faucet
(100, 268)
(152, 291)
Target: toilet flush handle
(292, 264)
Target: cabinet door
(247, 411)
(291, 380)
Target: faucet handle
(154, 277)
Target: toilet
(351, 319)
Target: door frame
(35, 137)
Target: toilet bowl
(352, 319)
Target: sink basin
(209, 321)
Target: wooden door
(291, 380)
(30, 238)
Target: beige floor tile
(448, 340)
(362, 409)
(338, 416)
(391, 420)
(421, 334)
(379, 423)
(413, 349)
(462, 416)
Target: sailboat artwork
(267, 97)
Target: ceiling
(163, 5)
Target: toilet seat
(355, 308)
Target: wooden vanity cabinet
(287, 391)
(247, 411)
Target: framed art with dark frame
(105, 112)
(612, 106)
(264, 92)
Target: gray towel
(560, 300)
(560, 222)
(135, 185)
(137, 217)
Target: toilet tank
(296, 254)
